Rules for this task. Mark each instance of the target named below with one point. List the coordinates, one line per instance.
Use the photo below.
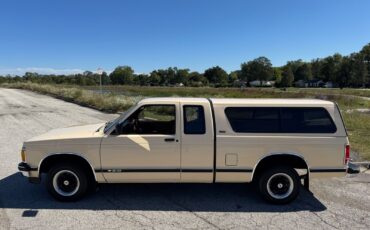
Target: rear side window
(306, 120)
(253, 120)
(194, 122)
(279, 120)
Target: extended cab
(278, 143)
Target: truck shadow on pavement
(17, 193)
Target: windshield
(113, 122)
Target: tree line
(342, 71)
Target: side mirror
(114, 132)
(117, 130)
(123, 128)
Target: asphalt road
(336, 203)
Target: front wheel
(67, 182)
(279, 185)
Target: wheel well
(289, 160)
(52, 160)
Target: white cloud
(40, 70)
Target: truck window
(279, 120)
(194, 122)
(151, 119)
(306, 120)
(253, 120)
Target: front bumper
(24, 168)
(27, 171)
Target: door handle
(169, 139)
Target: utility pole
(100, 72)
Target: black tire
(67, 182)
(279, 185)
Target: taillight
(347, 153)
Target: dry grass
(358, 126)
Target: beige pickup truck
(277, 143)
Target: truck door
(146, 147)
(197, 155)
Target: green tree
(122, 75)
(287, 76)
(105, 79)
(196, 79)
(167, 76)
(365, 52)
(359, 73)
(257, 69)
(88, 78)
(33, 77)
(170, 76)
(233, 77)
(277, 75)
(154, 78)
(303, 72)
(141, 79)
(216, 75)
(316, 66)
(294, 65)
(344, 72)
(330, 67)
(181, 76)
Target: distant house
(240, 83)
(330, 84)
(300, 83)
(257, 83)
(314, 83)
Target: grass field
(119, 98)
(346, 98)
(190, 91)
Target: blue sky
(73, 35)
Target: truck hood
(74, 132)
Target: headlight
(23, 154)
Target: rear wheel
(279, 185)
(67, 182)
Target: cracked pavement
(338, 203)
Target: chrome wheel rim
(280, 186)
(66, 183)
